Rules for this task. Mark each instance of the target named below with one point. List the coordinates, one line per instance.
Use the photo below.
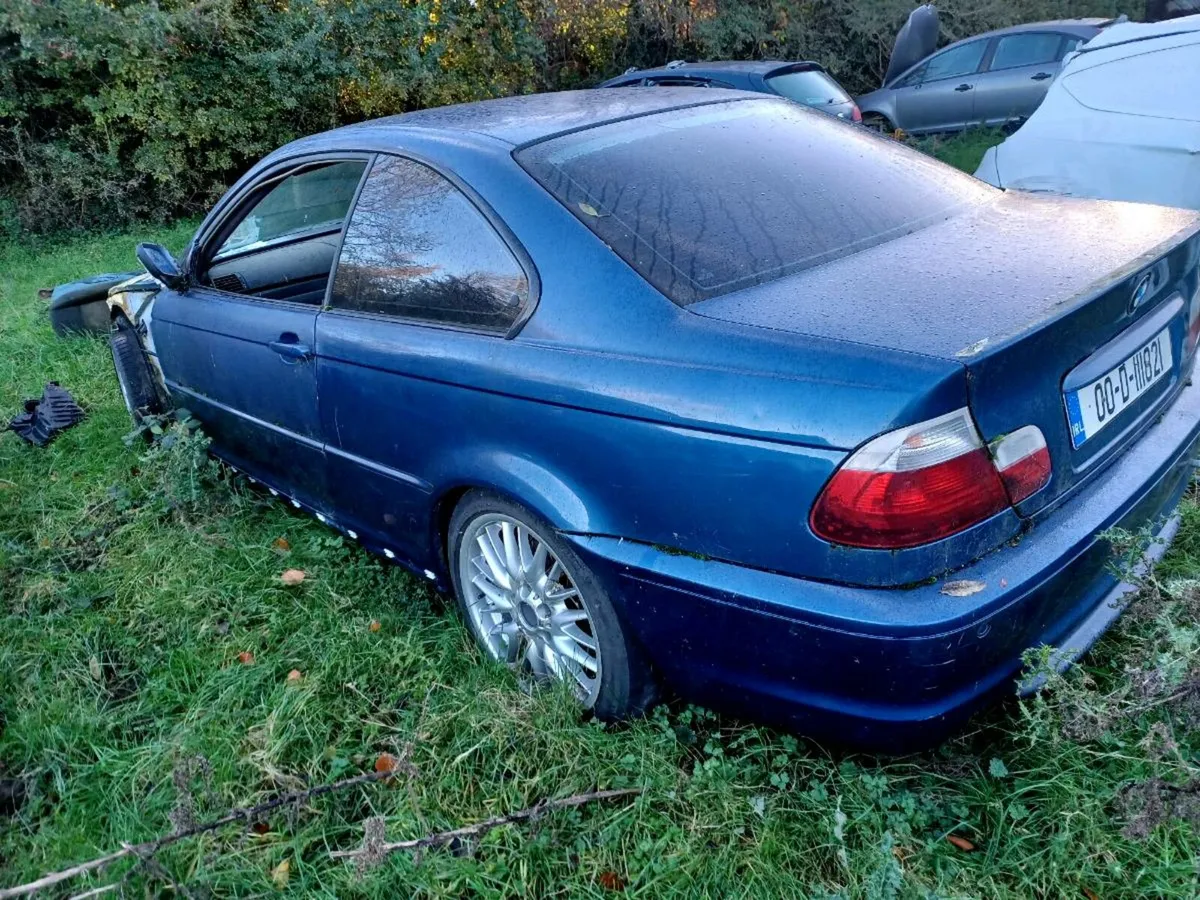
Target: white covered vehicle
(1121, 121)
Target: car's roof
(743, 66)
(534, 117)
(1080, 27)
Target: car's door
(427, 286)
(1018, 75)
(237, 347)
(945, 97)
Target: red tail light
(926, 482)
(855, 114)
(1193, 332)
(1023, 462)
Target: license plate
(1093, 407)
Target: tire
(876, 122)
(134, 375)
(623, 686)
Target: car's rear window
(811, 87)
(710, 199)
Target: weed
(177, 469)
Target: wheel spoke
(499, 574)
(566, 647)
(497, 598)
(506, 628)
(524, 549)
(582, 681)
(559, 594)
(537, 565)
(508, 540)
(575, 633)
(512, 647)
(553, 660)
(566, 617)
(533, 656)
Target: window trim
(515, 248)
(983, 57)
(671, 80)
(292, 237)
(231, 209)
(991, 57)
(918, 70)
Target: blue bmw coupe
(697, 390)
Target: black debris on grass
(44, 419)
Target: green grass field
(134, 581)
(963, 151)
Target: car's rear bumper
(898, 668)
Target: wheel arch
(879, 114)
(524, 481)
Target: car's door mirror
(161, 264)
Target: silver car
(989, 79)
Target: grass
(132, 580)
(963, 150)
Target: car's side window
(1029, 49)
(915, 77)
(311, 200)
(1069, 45)
(956, 62)
(417, 247)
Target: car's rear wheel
(879, 123)
(134, 375)
(532, 603)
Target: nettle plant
(176, 463)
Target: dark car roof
(534, 117)
(741, 66)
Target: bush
(134, 109)
(128, 110)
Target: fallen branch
(242, 814)
(96, 892)
(442, 838)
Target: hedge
(116, 110)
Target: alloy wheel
(525, 606)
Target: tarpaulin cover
(1120, 122)
(44, 419)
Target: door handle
(963, 87)
(289, 347)
(1041, 76)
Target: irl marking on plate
(1075, 416)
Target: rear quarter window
(417, 248)
(711, 199)
(1031, 49)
